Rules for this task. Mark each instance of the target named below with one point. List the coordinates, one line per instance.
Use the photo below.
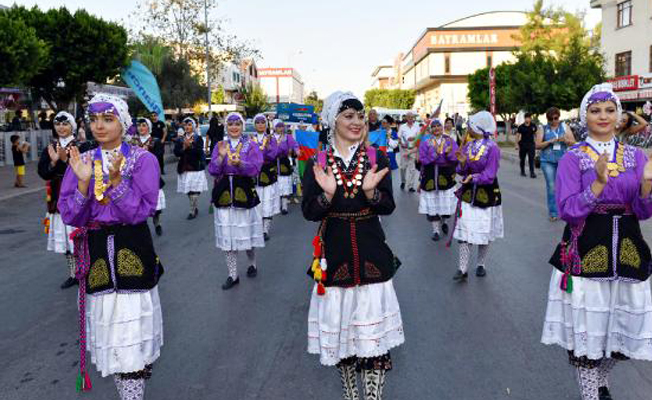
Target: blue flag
(143, 82)
(378, 138)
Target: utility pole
(208, 74)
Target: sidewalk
(32, 180)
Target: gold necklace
(233, 156)
(478, 155)
(615, 168)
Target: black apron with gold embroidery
(237, 191)
(606, 238)
(285, 166)
(268, 175)
(122, 258)
(437, 177)
(482, 196)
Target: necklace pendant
(340, 182)
(346, 195)
(614, 173)
(349, 184)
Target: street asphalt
(473, 341)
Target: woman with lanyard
(146, 141)
(438, 161)
(287, 148)
(267, 180)
(479, 217)
(354, 318)
(52, 167)
(189, 147)
(109, 193)
(235, 164)
(599, 300)
(552, 139)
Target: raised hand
(63, 154)
(54, 155)
(461, 157)
(114, 169)
(468, 179)
(601, 170)
(373, 177)
(326, 180)
(82, 168)
(221, 149)
(647, 172)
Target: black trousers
(526, 150)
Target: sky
(335, 44)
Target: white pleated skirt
(192, 181)
(285, 185)
(479, 225)
(124, 330)
(362, 321)
(160, 203)
(59, 236)
(437, 202)
(270, 200)
(238, 228)
(599, 318)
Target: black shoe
(284, 212)
(603, 393)
(230, 283)
(191, 216)
(159, 230)
(412, 190)
(435, 237)
(68, 283)
(460, 277)
(266, 236)
(252, 271)
(444, 228)
(533, 175)
(480, 271)
(523, 173)
(402, 186)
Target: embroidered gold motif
(482, 196)
(442, 180)
(371, 271)
(225, 199)
(284, 169)
(629, 254)
(240, 195)
(596, 261)
(264, 178)
(129, 264)
(430, 185)
(99, 274)
(466, 196)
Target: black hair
(13, 138)
(449, 119)
(528, 115)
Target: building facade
(383, 77)
(627, 46)
(282, 85)
(438, 64)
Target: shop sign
(623, 83)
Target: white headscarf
(483, 123)
(69, 119)
(598, 94)
(332, 106)
(148, 122)
(119, 106)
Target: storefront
(633, 90)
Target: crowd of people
(101, 193)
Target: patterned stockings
(591, 379)
(349, 382)
(465, 254)
(374, 383)
(435, 226)
(194, 201)
(284, 203)
(267, 223)
(483, 249)
(232, 263)
(251, 257)
(130, 389)
(70, 259)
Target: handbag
(537, 160)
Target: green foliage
(314, 100)
(179, 87)
(22, 53)
(152, 52)
(255, 99)
(82, 48)
(217, 96)
(390, 98)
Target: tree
(390, 98)
(82, 48)
(218, 95)
(181, 23)
(314, 100)
(478, 91)
(22, 53)
(255, 99)
(152, 52)
(179, 87)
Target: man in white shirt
(407, 136)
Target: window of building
(625, 13)
(490, 61)
(624, 63)
(447, 64)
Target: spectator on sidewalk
(525, 144)
(16, 124)
(160, 131)
(631, 124)
(18, 151)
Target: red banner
(492, 91)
